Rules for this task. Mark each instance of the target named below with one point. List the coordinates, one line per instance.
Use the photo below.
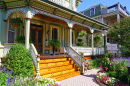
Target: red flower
(100, 66)
(101, 61)
(106, 68)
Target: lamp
(105, 33)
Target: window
(92, 11)
(11, 33)
(108, 40)
(54, 33)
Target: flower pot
(16, 24)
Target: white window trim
(90, 11)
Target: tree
(120, 34)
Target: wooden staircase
(58, 68)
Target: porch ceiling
(51, 19)
(54, 9)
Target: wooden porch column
(70, 38)
(28, 18)
(70, 24)
(92, 42)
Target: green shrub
(95, 63)
(113, 74)
(82, 43)
(123, 75)
(19, 59)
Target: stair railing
(78, 59)
(35, 59)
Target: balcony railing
(114, 8)
(88, 51)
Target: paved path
(88, 79)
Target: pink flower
(108, 59)
(119, 62)
(49, 84)
(110, 63)
(101, 61)
(106, 68)
(114, 70)
(100, 66)
(36, 79)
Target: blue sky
(88, 3)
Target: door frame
(36, 37)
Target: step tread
(54, 62)
(55, 66)
(58, 73)
(42, 72)
(67, 75)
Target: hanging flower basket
(16, 22)
(98, 37)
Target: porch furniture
(62, 50)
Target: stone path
(88, 79)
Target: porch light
(105, 33)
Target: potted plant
(82, 33)
(98, 37)
(16, 22)
(55, 44)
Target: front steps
(58, 68)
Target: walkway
(88, 79)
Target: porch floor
(47, 56)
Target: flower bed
(7, 78)
(114, 71)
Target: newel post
(82, 66)
(38, 69)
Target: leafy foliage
(97, 40)
(122, 29)
(95, 63)
(21, 39)
(55, 44)
(19, 59)
(82, 43)
(16, 20)
(82, 33)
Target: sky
(89, 3)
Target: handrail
(35, 58)
(78, 59)
(74, 55)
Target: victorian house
(44, 20)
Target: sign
(64, 3)
(112, 48)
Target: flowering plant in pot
(16, 22)
(55, 44)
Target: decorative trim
(23, 10)
(35, 11)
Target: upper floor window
(92, 11)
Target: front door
(37, 37)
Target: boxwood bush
(19, 59)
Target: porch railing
(35, 59)
(78, 59)
(88, 51)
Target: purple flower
(11, 71)
(1, 67)
(9, 78)
(4, 70)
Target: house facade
(42, 21)
(108, 15)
